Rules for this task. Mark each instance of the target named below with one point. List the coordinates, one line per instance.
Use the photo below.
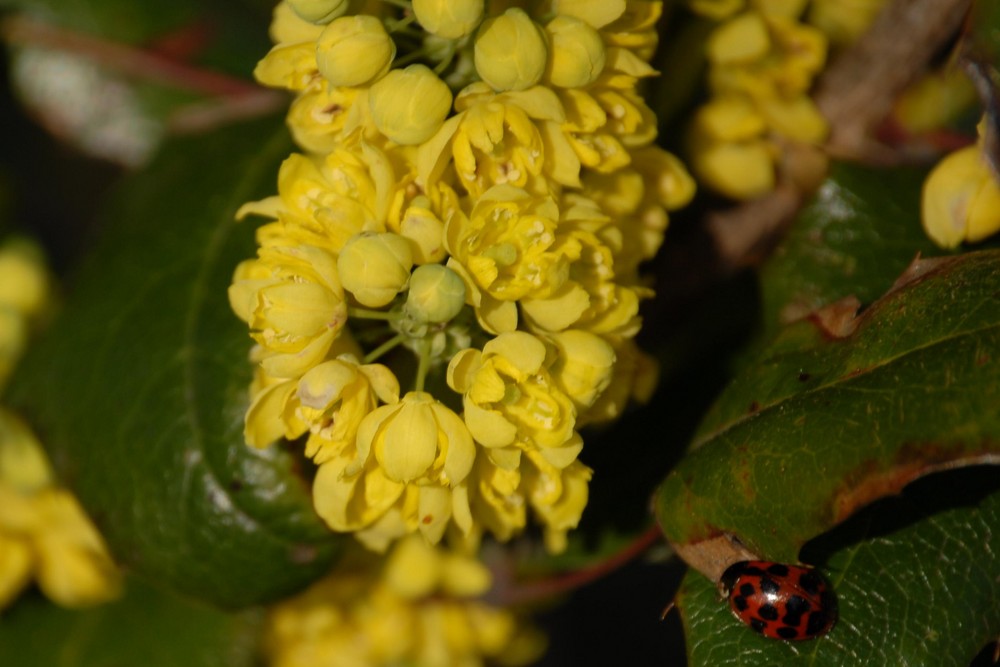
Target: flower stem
(370, 314)
(383, 348)
(423, 364)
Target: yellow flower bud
(319, 11)
(584, 366)
(742, 39)
(598, 13)
(409, 105)
(436, 294)
(450, 19)
(375, 267)
(23, 464)
(425, 230)
(577, 52)
(510, 52)
(24, 283)
(354, 50)
(737, 170)
(961, 199)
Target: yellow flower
(509, 245)
(512, 138)
(598, 13)
(318, 11)
(843, 21)
(25, 286)
(510, 51)
(354, 51)
(44, 534)
(293, 301)
(961, 199)
(730, 153)
(634, 377)
(577, 52)
(319, 114)
(436, 294)
(409, 105)
(557, 496)
(412, 459)
(513, 403)
(496, 503)
(291, 63)
(450, 19)
(375, 267)
(417, 608)
(583, 366)
(324, 202)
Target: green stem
(383, 348)
(423, 364)
(370, 314)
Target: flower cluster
(44, 534)
(447, 288)
(418, 608)
(961, 198)
(762, 63)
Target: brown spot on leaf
(983, 359)
(754, 407)
(870, 481)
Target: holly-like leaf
(138, 390)
(857, 234)
(827, 421)
(145, 627)
(918, 594)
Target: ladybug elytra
(780, 601)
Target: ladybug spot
(740, 603)
(768, 612)
(818, 621)
(746, 590)
(787, 633)
(797, 605)
(778, 570)
(758, 625)
(810, 582)
(792, 620)
(769, 586)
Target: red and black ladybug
(780, 601)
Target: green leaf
(819, 426)
(920, 594)
(860, 231)
(145, 627)
(139, 388)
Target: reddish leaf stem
(534, 590)
(131, 61)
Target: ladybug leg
(670, 607)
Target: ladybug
(780, 601)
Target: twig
(525, 592)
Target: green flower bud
(436, 294)
(577, 52)
(409, 105)
(318, 11)
(375, 267)
(510, 51)
(450, 19)
(354, 50)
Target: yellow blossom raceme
(408, 474)
(375, 267)
(512, 403)
(44, 534)
(409, 105)
(510, 51)
(291, 298)
(354, 50)
(450, 19)
(961, 199)
(418, 608)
